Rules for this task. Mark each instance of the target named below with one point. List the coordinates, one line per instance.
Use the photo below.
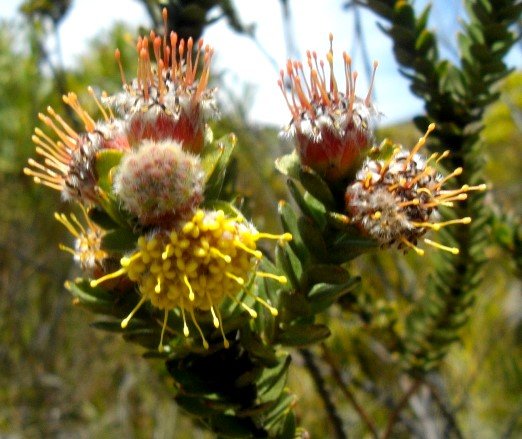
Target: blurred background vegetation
(61, 378)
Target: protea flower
(195, 266)
(396, 201)
(331, 128)
(68, 159)
(169, 99)
(87, 250)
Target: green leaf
(96, 299)
(314, 184)
(248, 377)
(309, 205)
(190, 382)
(290, 265)
(422, 19)
(210, 156)
(108, 325)
(349, 245)
(294, 306)
(273, 381)
(101, 218)
(106, 161)
(255, 346)
(119, 241)
(288, 427)
(279, 409)
(232, 426)
(289, 223)
(300, 335)
(322, 295)
(256, 410)
(425, 42)
(404, 15)
(218, 169)
(313, 239)
(228, 208)
(289, 165)
(197, 406)
(330, 274)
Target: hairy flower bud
(331, 128)
(159, 182)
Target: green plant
(173, 264)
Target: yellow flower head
(195, 267)
(87, 250)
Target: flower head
(330, 127)
(169, 99)
(68, 160)
(396, 201)
(195, 267)
(159, 182)
(87, 250)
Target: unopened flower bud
(159, 182)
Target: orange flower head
(67, 162)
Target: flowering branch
(171, 262)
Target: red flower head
(330, 127)
(169, 99)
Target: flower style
(87, 250)
(168, 99)
(195, 267)
(160, 183)
(396, 200)
(330, 127)
(68, 163)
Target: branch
(394, 416)
(320, 385)
(446, 412)
(327, 356)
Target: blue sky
(244, 64)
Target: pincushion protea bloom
(195, 267)
(330, 127)
(68, 161)
(396, 201)
(169, 99)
